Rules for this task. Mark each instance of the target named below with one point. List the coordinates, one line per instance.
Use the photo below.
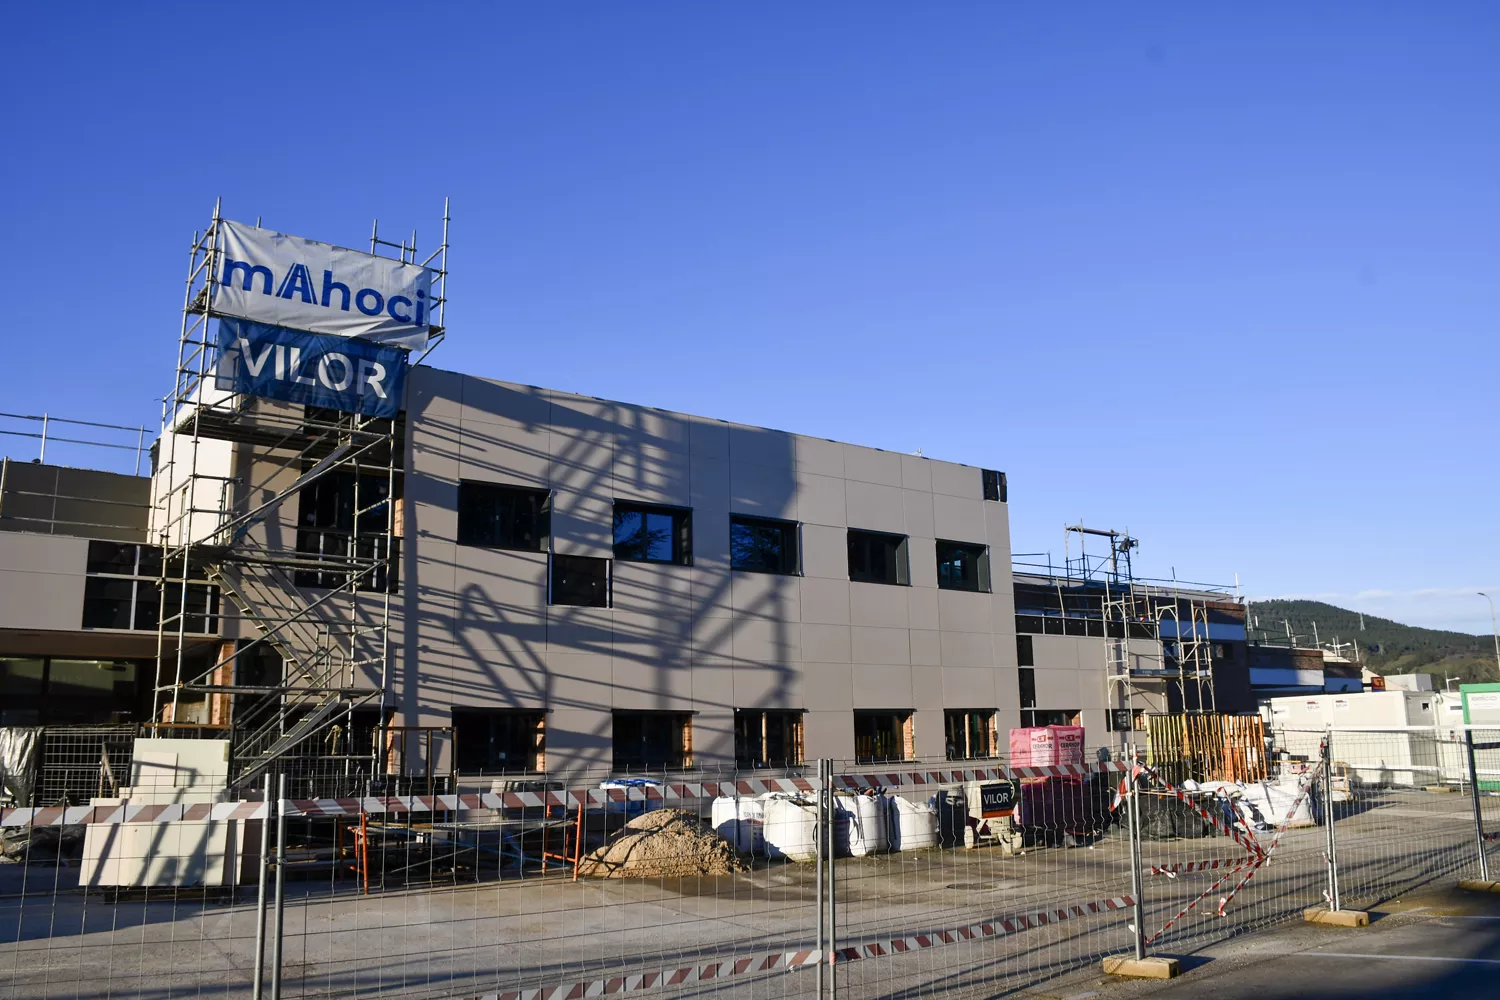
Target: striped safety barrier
(665, 792)
(131, 812)
(789, 960)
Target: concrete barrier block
(1142, 968)
(1336, 918)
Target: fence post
(1133, 800)
(820, 797)
(833, 905)
(260, 902)
(1332, 850)
(280, 910)
(1484, 865)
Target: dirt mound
(663, 843)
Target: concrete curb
(1475, 885)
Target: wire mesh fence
(906, 878)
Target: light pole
(1493, 630)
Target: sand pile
(663, 843)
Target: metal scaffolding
(317, 596)
(1173, 650)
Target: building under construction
(499, 579)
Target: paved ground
(455, 942)
(1441, 943)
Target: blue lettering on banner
(316, 369)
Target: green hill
(1401, 648)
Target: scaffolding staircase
(319, 597)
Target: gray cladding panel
(871, 465)
(873, 507)
(41, 581)
(691, 638)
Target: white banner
(288, 281)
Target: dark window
(498, 741)
(652, 741)
(767, 739)
(1026, 677)
(882, 736)
(201, 608)
(875, 557)
(580, 581)
(503, 517)
(994, 485)
(112, 557)
(109, 603)
(134, 602)
(1029, 623)
(1049, 717)
(56, 690)
(329, 509)
(762, 545)
(1025, 652)
(653, 534)
(970, 734)
(962, 566)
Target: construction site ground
(459, 941)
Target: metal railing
(45, 433)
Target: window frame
(681, 535)
(1026, 686)
(792, 537)
(968, 717)
(792, 720)
(541, 517)
(329, 517)
(901, 554)
(552, 571)
(683, 752)
(983, 583)
(1032, 718)
(903, 718)
(520, 718)
(995, 487)
(144, 608)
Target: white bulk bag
(741, 821)
(790, 826)
(913, 826)
(864, 832)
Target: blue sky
(1224, 275)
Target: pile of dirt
(663, 843)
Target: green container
(1482, 708)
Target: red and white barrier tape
(666, 792)
(680, 976)
(713, 971)
(1251, 860)
(1307, 784)
(131, 812)
(984, 929)
(1172, 871)
(1252, 846)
